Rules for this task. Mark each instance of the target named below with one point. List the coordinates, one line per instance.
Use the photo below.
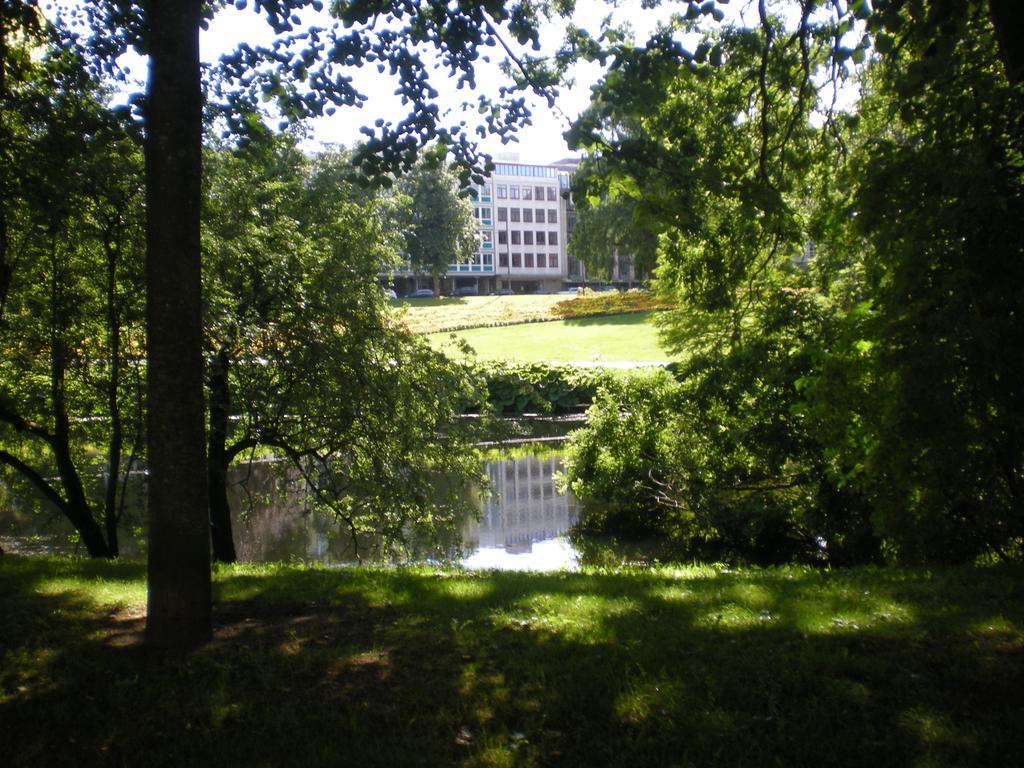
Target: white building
(524, 217)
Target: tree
(69, 313)
(304, 72)
(439, 227)
(939, 194)
(179, 607)
(724, 463)
(728, 206)
(903, 223)
(607, 231)
(305, 358)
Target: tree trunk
(79, 515)
(217, 461)
(6, 271)
(76, 504)
(110, 515)
(179, 523)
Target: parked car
(503, 292)
(466, 290)
(390, 293)
(421, 293)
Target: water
(522, 522)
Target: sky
(541, 142)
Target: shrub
(538, 388)
(720, 460)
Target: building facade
(524, 219)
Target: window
(552, 216)
(529, 261)
(528, 215)
(551, 194)
(552, 261)
(515, 214)
(527, 193)
(540, 216)
(513, 192)
(486, 236)
(552, 238)
(542, 238)
(517, 260)
(503, 191)
(542, 260)
(516, 237)
(476, 213)
(502, 237)
(527, 238)
(503, 260)
(502, 214)
(538, 192)
(485, 212)
(488, 259)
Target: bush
(720, 460)
(537, 388)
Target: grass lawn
(455, 313)
(690, 666)
(626, 338)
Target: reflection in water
(523, 518)
(521, 527)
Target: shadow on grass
(374, 667)
(628, 319)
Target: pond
(522, 525)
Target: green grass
(623, 338)
(670, 666)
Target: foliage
(287, 72)
(938, 186)
(862, 396)
(70, 302)
(305, 356)
(538, 388)
(607, 230)
(438, 227)
(720, 461)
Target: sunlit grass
(619, 338)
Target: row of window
(526, 260)
(519, 214)
(509, 169)
(513, 192)
(528, 214)
(526, 238)
(477, 259)
(528, 470)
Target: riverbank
(670, 666)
